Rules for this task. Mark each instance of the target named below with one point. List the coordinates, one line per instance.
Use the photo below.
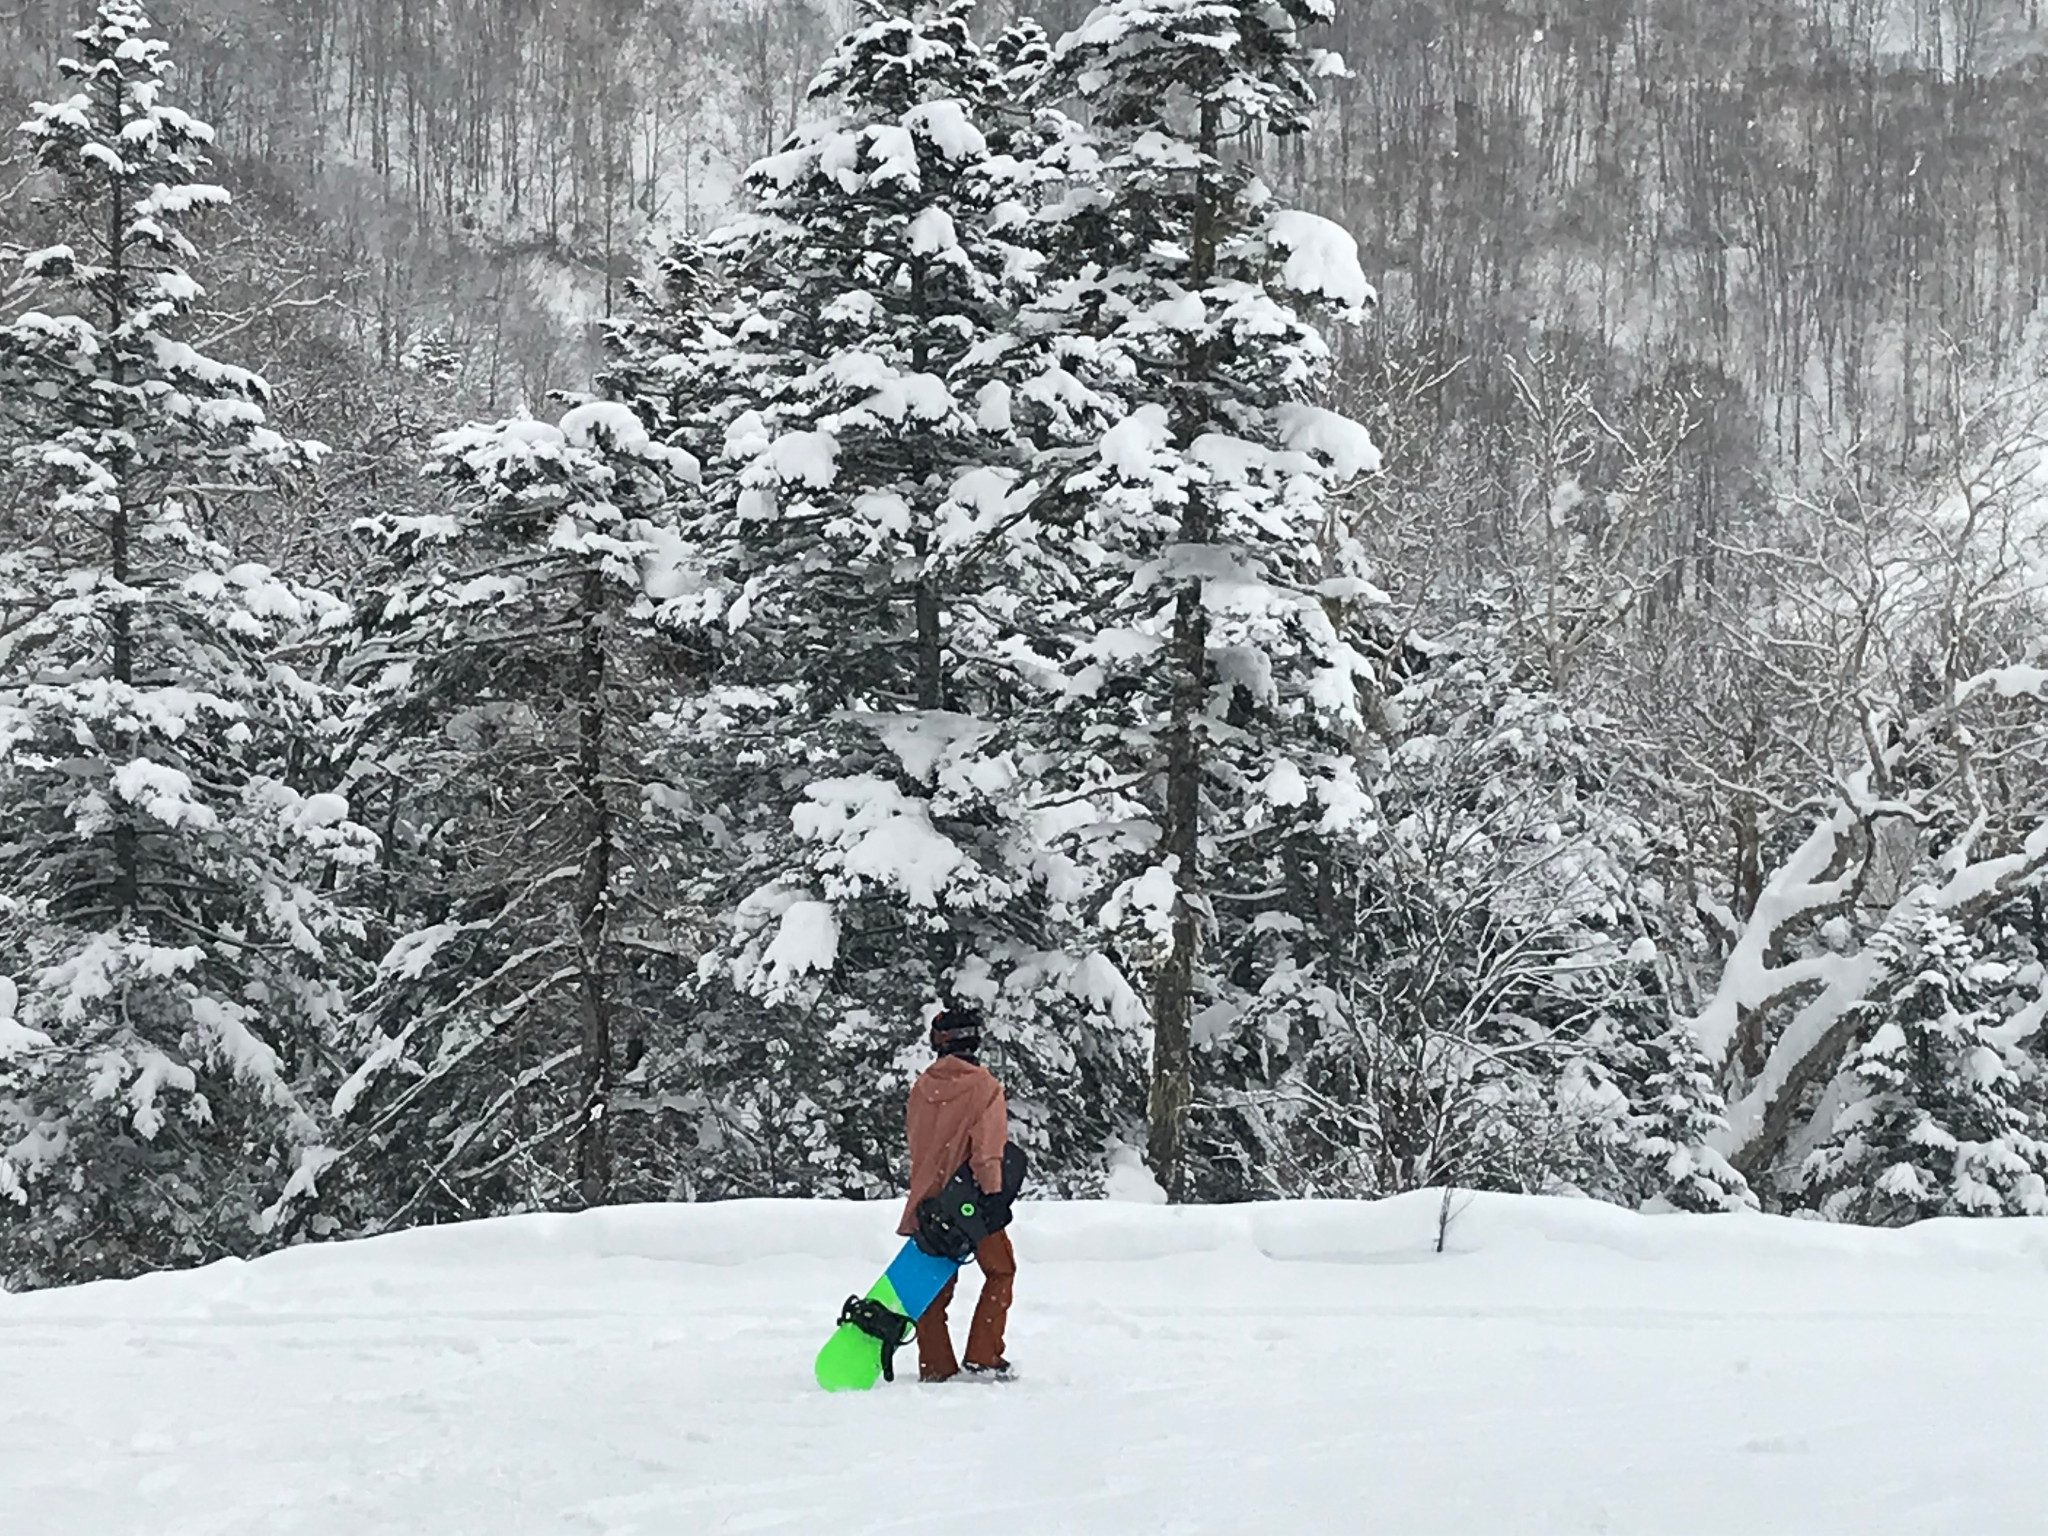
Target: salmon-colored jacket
(956, 1112)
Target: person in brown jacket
(957, 1114)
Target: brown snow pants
(935, 1362)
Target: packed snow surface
(1278, 1368)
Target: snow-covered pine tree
(1220, 691)
(170, 914)
(511, 674)
(875, 691)
(1673, 1129)
(880, 458)
(1023, 59)
(666, 355)
(1934, 1123)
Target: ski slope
(1563, 1367)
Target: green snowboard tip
(851, 1360)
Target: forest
(1400, 595)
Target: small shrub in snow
(1681, 1112)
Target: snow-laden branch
(1812, 1040)
(1812, 880)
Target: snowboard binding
(890, 1328)
(943, 1233)
(952, 1223)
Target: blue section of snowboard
(917, 1277)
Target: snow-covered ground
(1287, 1369)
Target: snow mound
(1561, 1366)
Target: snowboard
(873, 1327)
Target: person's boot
(1002, 1370)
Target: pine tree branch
(279, 303)
(469, 1133)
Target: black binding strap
(881, 1322)
(942, 1234)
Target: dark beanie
(957, 1032)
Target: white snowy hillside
(1300, 1368)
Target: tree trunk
(127, 895)
(593, 907)
(1173, 996)
(931, 676)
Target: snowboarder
(957, 1114)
